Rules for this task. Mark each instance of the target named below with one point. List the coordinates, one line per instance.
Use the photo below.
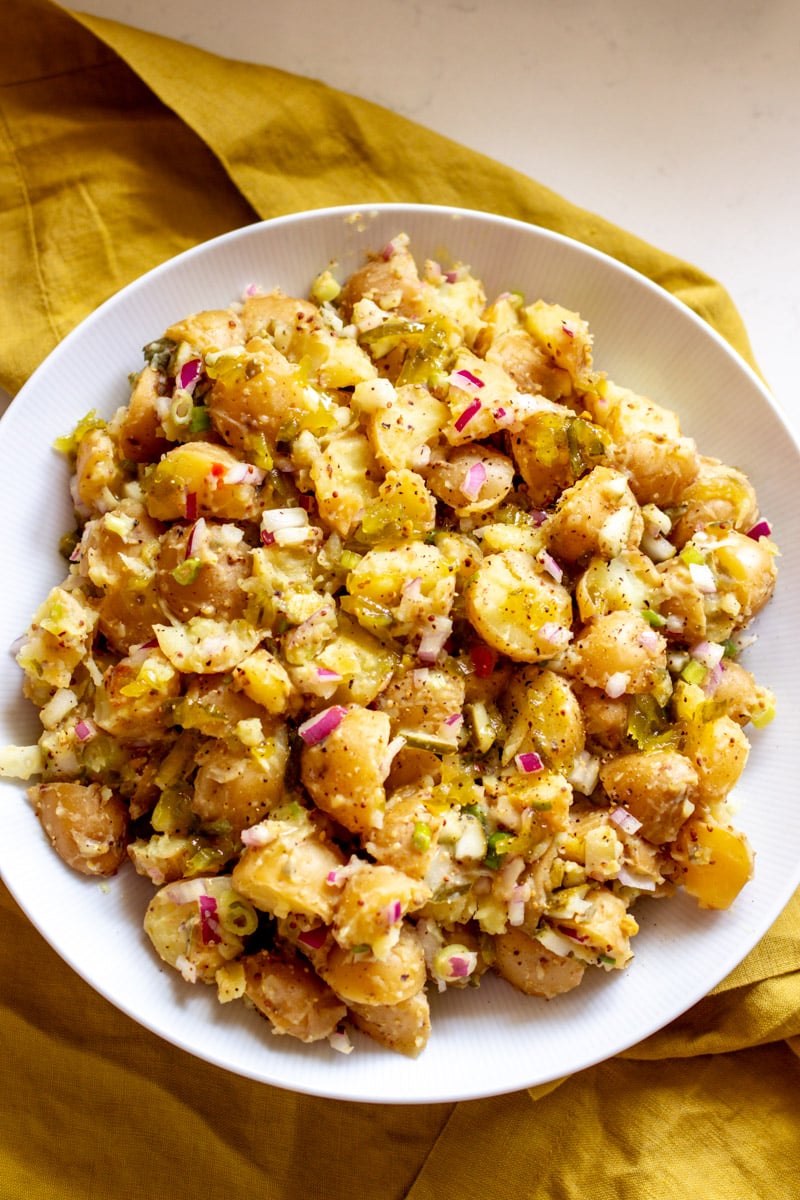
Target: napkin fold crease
(119, 149)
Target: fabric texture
(118, 149)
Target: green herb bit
(200, 419)
(499, 844)
(421, 838)
(653, 618)
(70, 442)
(187, 571)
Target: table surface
(679, 122)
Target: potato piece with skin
(403, 1028)
(719, 494)
(530, 367)
(599, 514)
(291, 996)
(402, 431)
(200, 569)
(289, 872)
(207, 647)
(136, 698)
(716, 862)
(361, 979)
(266, 682)
(563, 335)
(235, 785)
(659, 468)
(410, 582)
(407, 838)
(656, 786)
(423, 704)
(212, 329)
(86, 824)
(472, 479)
(390, 280)
(258, 396)
(514, 606)
(139, 432)
(194, 926)
(98, 479)
(608, 928)
(201, 479)
(619, 653)
(542, 714)
(718, 751)
(745, 572)
(530, 967)
(213, 707)
(605, 720)
(373, 902)
(344, 773)
(744, 699)
(346, 479)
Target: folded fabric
(118, 150)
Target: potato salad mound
(397, 645)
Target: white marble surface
(678, 121)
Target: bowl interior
(485, 1041)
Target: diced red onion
(569, 332)
(465, 380)
(210, 932)
(713, 679)
(617, 684)
(339, 1041)
(189, 374)
(703, 578)
(76, 553)
(325, 673)
(413, 588)
(759, 530)
(316, 728)
(273, 519)
(191, 506)
(451, 276)
(633, 879)
(257, 835)
(267, 538)
(252, 289)
(474, 481)
(453, 719)
(196, 533)
(529, 762)
(555, 634)
(466, 416)
(314, 938)
(649, 639)
(625, 820)
(84, 730)
(433, 639)
(186, 891)
(388, 251)
(243, 472)
(392, 913)
(710, 654)
(551, 566)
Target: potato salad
(396, 645)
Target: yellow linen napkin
(118, 149)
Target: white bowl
(493, 1039)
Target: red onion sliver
(466, 416)
(191, 506)
(316, 728)
(529, 762)
(625, 820)
(474, 481)
(314, 938)
(465, 379)
(209, 923)
(189, 374)
(759, 530)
